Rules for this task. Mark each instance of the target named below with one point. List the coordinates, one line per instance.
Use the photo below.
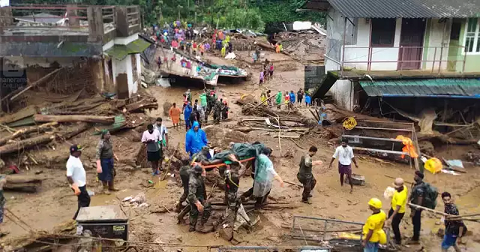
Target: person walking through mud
(305, 175)
(344, 154)
(150, 138)
(197, 196)
(105, 160)
(397, 210)
(174, 114)
(77, 177)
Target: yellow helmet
(374, 202)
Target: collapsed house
(38, 47)
(417, 61)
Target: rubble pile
(47, 125)
(303, 45)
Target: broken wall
(343, 94)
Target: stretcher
(222, 164)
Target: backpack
(430, 196)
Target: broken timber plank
(23, 113)
(83, 127)
(74, 118)
(25, 144)
(19, 133)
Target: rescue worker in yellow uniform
(373, 233)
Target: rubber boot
(105, 188)
(111, 187)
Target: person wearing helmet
(373, 232)
(197, 196)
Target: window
(472, 36)
(383, 32)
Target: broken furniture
(379, 137)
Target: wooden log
(19, 179)
(139, 106)
(25, 144)
(23, 113)
(83, 127)
(22, 132)
(74, 118)
(25, 187)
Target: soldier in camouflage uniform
(197, 196)
(217, 109)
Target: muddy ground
(55, 204)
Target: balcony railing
(401, 58)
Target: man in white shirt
(344, 154)
(151, 138)
(77, 177)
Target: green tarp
(119, 52)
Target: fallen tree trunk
(22, 183)
(83, 127)
(40, 129)
(140, 106)
(23, 187)
(25, 144)
(74, 118)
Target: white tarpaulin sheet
(4, 3)
(300, 25)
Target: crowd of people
(232, 163)
(287, 99)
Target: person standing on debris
(150, 138)
(262, 78)
(197, 196)
(454, 229)
(373, 233)
(189, 95)
(396, 213)
(417, 197)
(278, 99)
(184, 172)
(223, 51)
(263, 98)
(308, 99)
(174, 114)
(187, 111)
(77, 177)
(217, 109)
(104, 156)
(195, 117)
(225, 110)
(264, 174)
(163, 132)
(305, 175)
(287, 100)
(300, 96)
(344, 154)
(292, 97)
(270, 70)
(195, 139)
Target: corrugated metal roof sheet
(404, 8)
(468, 88)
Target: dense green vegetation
(253, 14)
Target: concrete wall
(359, 52)
(343, 93)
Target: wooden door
(411, 38)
